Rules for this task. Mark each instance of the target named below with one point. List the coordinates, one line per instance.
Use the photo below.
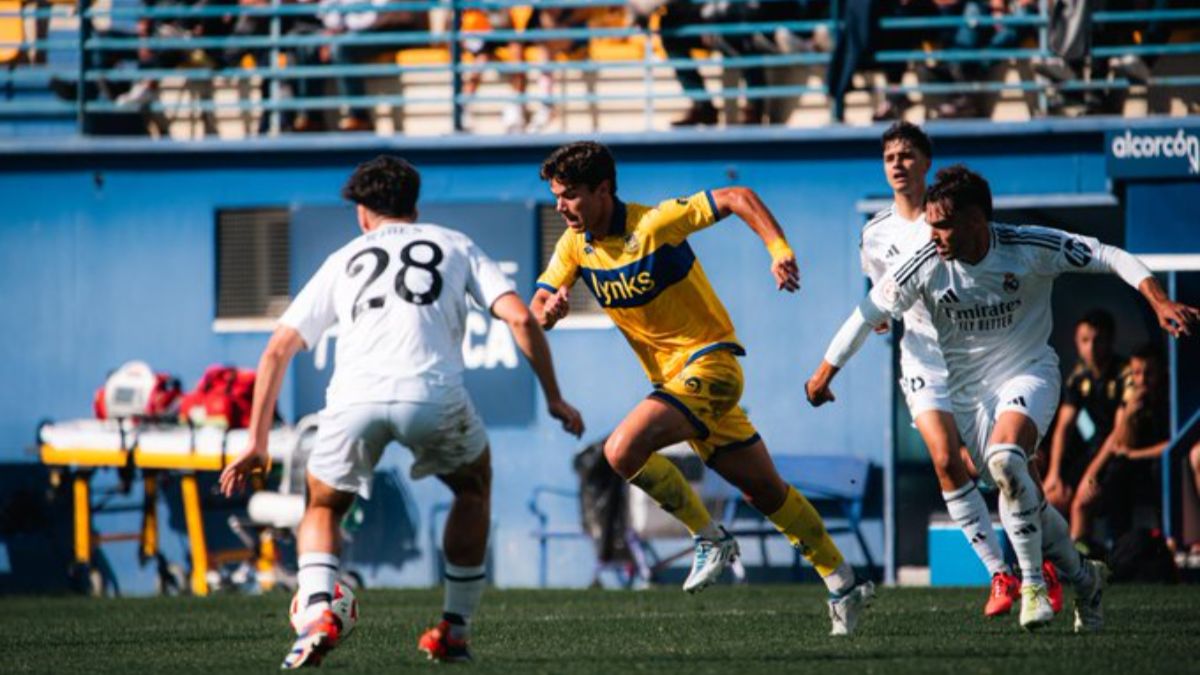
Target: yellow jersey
(649, 282)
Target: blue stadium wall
(108, 253)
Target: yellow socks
(660, 479)
(803, 527)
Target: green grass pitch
(724, 630)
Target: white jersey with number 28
(398, 296)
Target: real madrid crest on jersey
(631, 243)
(1011, 283)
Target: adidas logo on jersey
(892, 252)
(1020, 400)
(948, 297)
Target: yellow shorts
(707, 391)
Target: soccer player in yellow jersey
(637, 262)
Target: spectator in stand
(1090, 400)
(340, 53)
(146, 91)
(554, 18)
(680, 14)
(251, 25)
(1122, 481)
(512, 117)
(861, 37)
(1072, 36)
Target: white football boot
(710, 560)
(1089, 614)
(845, 610)
(1036, 610)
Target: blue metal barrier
(87, 46)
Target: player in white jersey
(988, 289)
(888, 238)
(398, 295)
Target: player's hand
(557, 307)
(1177, 318)
(818, 392)
(786, 273)
(564, 412)
(251, 461)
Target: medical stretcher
(80, 447)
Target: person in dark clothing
(1123, 477)
(1093, 392)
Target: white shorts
(1033, 393)
(442, 435)
(924, 389)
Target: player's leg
(448, 440)
(657, 422)
(464, 545)
(348, 445)
(1034, 528)
(964, 502)
(751, 470)
(318, 546)
(1012, 440)
(632, 448)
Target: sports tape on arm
(853, 333)
(1124, 264)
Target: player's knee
(946, 462)
(1006, 464)
(1194, 456)
(618, 452)
(765, 495)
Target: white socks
(1020, 507)
(968, 510)
(1058, 547)
(317, 576)
(464, 588)
(841, 580)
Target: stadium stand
(604, 68)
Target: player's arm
(898, 290)
(550, 307)
(1084, 254)
(1174, 317)
(532, 343)
(746, 204)
(268, 379)
(1068, 413)
(845, 344)
(551, 300)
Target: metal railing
(79, 54)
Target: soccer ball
(344, 605)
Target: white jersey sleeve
(486, 282)
(1056, 252)
(899, 289)
(313, 311)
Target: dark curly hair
(582, 163)
(386, 185)
(1101, 320)
(958, 187)
(909, 133)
